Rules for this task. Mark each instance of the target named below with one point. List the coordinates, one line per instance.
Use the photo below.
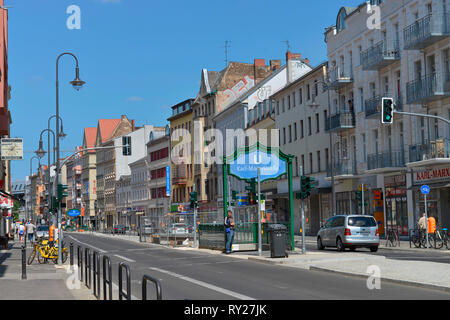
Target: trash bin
(277, 241)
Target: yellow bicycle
(46, 251)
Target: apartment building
(301, 114)
(140, 193)
(73, 172)
(406, 57)
(123, 200)
(88, 176)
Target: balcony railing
(426, 31)
(435, 149)
(373, 106)
(343, 168)
(432, 87)
(380, 55)
(389, 159)
(340, 121)
(339, 77)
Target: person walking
(30, 231)
(229, 228)
(21, 231)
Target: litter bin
(277, 241)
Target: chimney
(291, 56)
(133, 127)
(275, 64)
(260, 62)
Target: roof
(107, 127)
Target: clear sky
(139, 57)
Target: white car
(178, 228)
(42, 231)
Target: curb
(392, 280)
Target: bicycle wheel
(439, 241)
(65, 255)
(32, 255)
(416, 240)
(41, 259)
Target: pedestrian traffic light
(234, 194)
(387, 114)
(62, 191)
(307, 184)
(358, 195)
(193, 198)
(251, 191)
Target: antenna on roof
(227, 45)
(287, 45)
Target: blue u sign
(425, 189)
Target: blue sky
(139, 57)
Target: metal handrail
(107, 266)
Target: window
(290, 134)
(126, 143)
(302, 135)
(308, 92)
(284, 135)
(317, 123)
(293, 99)
(309, 126)
(361, 99)
(282, 105)
(363, 149)
(289, 102)
(300, 96)
(311, 168)
(295, 131)
(318, 161)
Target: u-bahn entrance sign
(273, 163)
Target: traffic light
(62, 191)
(251, 191)
(387, 114)
(193, 198)
(307, 185)
(234, 194)
(358, 195)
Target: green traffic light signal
(307, 184)
(387, 116)
(358, 195)
(62, 191)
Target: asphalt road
(193, 275)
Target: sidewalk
(417, 273)
(44, 281)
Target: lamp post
(314, 105)
(77, 84)
(31, 191)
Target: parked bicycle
(392, 239)
(441, 238)
(45, 252)
(419, 238)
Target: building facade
(88, 176)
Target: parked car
(146, 229)
(42, 232)
(119, 228)
(352, 231)
(178, 228)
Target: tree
(16, 209)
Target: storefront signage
(245, 166)
(432, 174)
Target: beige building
(88, 176)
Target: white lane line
(124, 258)
(89, 245)
(204, 284)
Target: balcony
(426, 31)
(430, 88)
(339, 78)
(340, 121)
(179, 175)
(343, 169)
(438, 149)
(380, 55)
(384, 160)
(373, 106)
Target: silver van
(352, 231)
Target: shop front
(438, 200)
(396, 204)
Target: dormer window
(341, 20)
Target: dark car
(119, 228)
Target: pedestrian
(432, 225)
(51, 234)
(423, 224)
(229, 228)
(21, 232)
(30, 231)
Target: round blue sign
(425, 189)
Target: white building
(140, 195)
(399, 49)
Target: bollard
(107, 280)
(147, 278)
(24, 264)
(96, 274)
(87, 267)
(80, 262)
(71, 255)
(122, 294)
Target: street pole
(303, 217)
(426, 219)
(259, 214)
(195, 222)
(362, 194)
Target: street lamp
(77, 84)
(31, 191)
(314, 105)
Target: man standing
(229, 228)
(423, 224)
(30, 231)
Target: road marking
(124, 258)
(89, 245)
(204, 284)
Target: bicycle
(392, 239)
(441, 239)
(45, 252)
(419, 238)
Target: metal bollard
(80, 262)
(147, 278)
(71, 255)
(87, 267)
(107, 280)
(24, 264)
(96, 274)
(122, 294)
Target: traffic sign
(425, 189)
